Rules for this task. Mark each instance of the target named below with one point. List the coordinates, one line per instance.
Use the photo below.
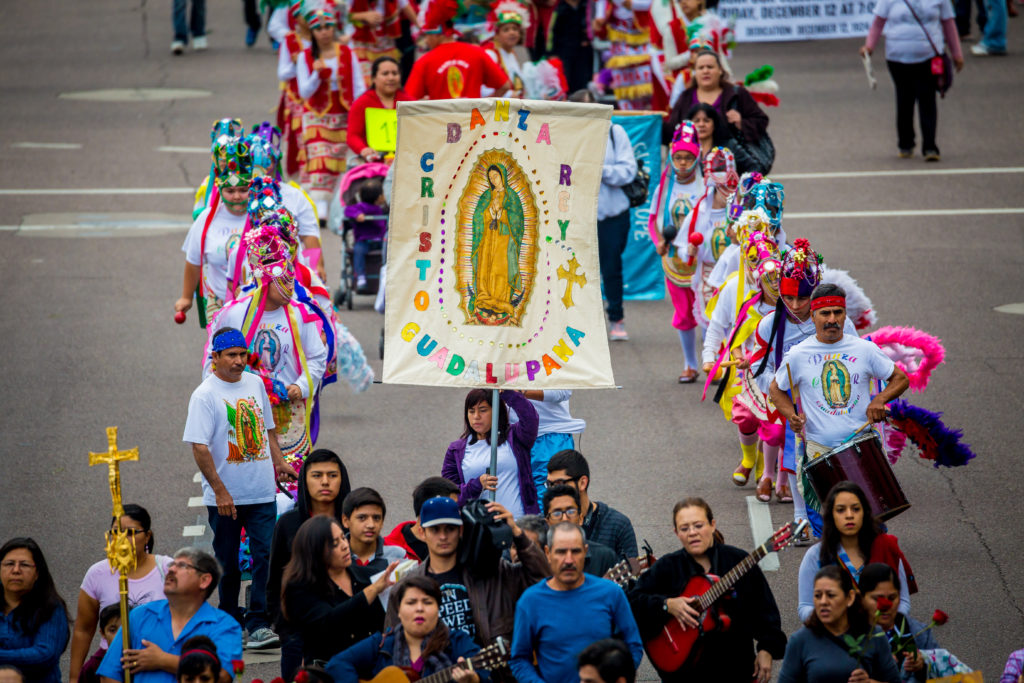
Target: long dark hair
(375, 67)
(475, 397)
(311, 550)
(830, 537)
(857, 618)
(876, 573)
(439, 637)
(696, 502)
(141, 515)
(38, 605)
(719, 134)
(303, 501)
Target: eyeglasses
(179, 564)
(558, 482)
(559, 514)
(11, 564)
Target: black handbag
(757, 156)
(942, 63)
(636, 189)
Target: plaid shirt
(612, 528)
(1014, 667)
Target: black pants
(252, 15)
(963, 16)
(915, 84)
(612, 236)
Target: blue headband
(229, 340)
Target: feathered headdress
(321, 14)
(916, 353)
(508, 12)
(859, 308)
(801, 269)
(926, 431)
(769, 198)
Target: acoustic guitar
(674, 645)
(625, 572)
(491, 657)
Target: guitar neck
(725, 584)
(485, 659)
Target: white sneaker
(177, 47)
(618, 332)
(199, 43)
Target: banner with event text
(493, 275)
(773, 20)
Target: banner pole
(494, 440)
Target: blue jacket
(369, 656)
(36, 655)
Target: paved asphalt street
(86, 312)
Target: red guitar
(673, 645)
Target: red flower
(238, 666)
(277, 680)
(940, 617)
(883, 604)
(302, 677)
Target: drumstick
(794, 389)
(857, 431)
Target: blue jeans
(359, 251)
(544, 447)
(197, 23)
(258, 521)
(994, 37)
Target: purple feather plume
(932, 437)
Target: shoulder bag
(942, 63)
(751, 156)
(636, 189)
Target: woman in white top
(469, 458)
(914, 32)
(100, 587)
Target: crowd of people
(515, 573)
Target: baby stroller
(346, 227)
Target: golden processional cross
(120, 544)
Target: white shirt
(723, 318)
(835, 384)
(795, 332)
(905, 40)
(232, 420)
(553, 415)
(221, 240)
(274, 345)
(301, 209)
(309, 80)
(478, 461)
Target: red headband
(202, 652)
(824, 301)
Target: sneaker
(905, 153)
(262, 639)
(932, 155)
(361, 282)
(250, 37)
(980, 50)
(199, 43)
(177, 47)
(618, 332)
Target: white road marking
(1017, 309)
(196, 502)
(883, 174)
(906, 213)
(97, 191)
(46, 145)
(135, 94)
(184, 150)
(197, 477)
(761, 527)
(193, 530)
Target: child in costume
(710, 221)
(217, 229)
(735, 312)
(679, 191)
(754, 193)
(369, 215)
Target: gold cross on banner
(571, 277)
(113, 458)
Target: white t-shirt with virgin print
(232, 419)
(835, 384)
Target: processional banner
(493, 275)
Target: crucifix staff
(120, 545)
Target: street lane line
(193, 530)
(28, 192)
(1017, 309)
(196, 502)
(184, 150)
(905, 213)
(761, 528)
(885, 174)
(46, 145)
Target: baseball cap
(440, 510)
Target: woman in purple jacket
(468, 460)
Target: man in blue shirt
(558, 618)
(157, 630)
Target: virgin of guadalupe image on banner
(493, 276)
